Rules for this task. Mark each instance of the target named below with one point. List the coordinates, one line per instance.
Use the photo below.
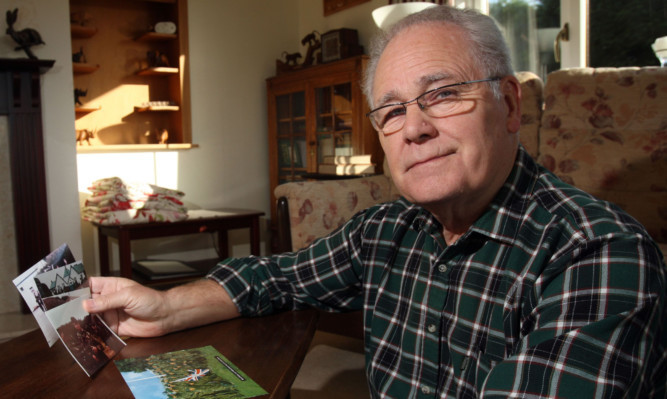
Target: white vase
(660, 49)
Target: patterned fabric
(605, 131)
(318, 207)
(551, 293)
(115, 202)
(531, 110)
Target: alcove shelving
(127, 69)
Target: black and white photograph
(25, 283)
(62, 284)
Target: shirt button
(442, 268)
(426, 390)
(432, 328)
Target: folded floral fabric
(113, 201)
(131, 216)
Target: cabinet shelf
(157, 71)
(83, 68)
(82, 32)
(156, 37)
(292, 119)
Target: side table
(198, 221)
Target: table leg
(223, 243)
(125, 254)
(254, 236)
(103, 246)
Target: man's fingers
(103, 303)
(104, 285)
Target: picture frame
(333, 6)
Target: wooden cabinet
(133, 81)
(316, 112)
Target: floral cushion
(318, 207)
(605, 131)
(531, 110)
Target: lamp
(660, 49)
(386, 16)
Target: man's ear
(511, 89)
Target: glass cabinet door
(333, 108)
(291, 122)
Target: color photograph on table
(190, 373)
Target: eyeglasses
(443, 101)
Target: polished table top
(268, 349)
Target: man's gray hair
(487, 45)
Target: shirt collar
(503, 217)
(495, 222)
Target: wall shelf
(156, 71)
(82, 149)
(156, 37)
(83, 68)
(82, 32)
(157, 108)
(82, 111)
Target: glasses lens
(389, 119)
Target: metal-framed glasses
(440, 102)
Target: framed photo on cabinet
(333, 6)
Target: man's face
(451, 160)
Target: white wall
(51, 19)
(233, 48)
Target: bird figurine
(25, 38)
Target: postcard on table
(183, 374)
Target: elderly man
(489, 277)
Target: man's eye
(392, 113)
(442, 94)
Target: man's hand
(131, 309)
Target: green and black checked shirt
(551, 293)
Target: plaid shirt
(551, 293)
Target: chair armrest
(284, 235)
(315, 208)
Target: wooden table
(268, 349)
(198, 221)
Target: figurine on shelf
(291, 62)
(291, 59)
(79, 93)
(164, 136)
(157, 59)
(79, 57)
(80, 18)
(314, 44)
(25, 38)
(84, 135)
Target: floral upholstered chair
(604, 130)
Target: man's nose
(418, 127)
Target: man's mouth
(427, 160)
